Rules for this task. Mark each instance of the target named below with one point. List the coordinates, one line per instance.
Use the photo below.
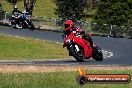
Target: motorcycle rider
(16, 16)
(69, 27)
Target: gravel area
(43, 68)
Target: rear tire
(79, 58)
(97, 54)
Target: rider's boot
(91, 44)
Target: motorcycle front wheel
(32, 27)
(77, 52)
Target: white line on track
(107, 54)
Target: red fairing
(70, 36)
(83, 43)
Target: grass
(18, 49)
(1, 26)
(46, 9)
(43, 8)
(55, 80)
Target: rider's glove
(82, 32)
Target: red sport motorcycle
(80, 48)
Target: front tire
(32, 26)
(78, 55)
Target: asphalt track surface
(121, 48)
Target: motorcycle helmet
(68, 25)
(15, 7)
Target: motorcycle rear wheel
(97, 54)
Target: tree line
(114, 12)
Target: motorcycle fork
(27, 23)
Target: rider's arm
(80, 31)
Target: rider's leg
(89, 39)
(18, 23)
